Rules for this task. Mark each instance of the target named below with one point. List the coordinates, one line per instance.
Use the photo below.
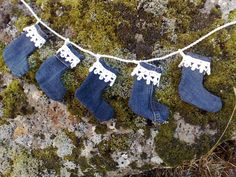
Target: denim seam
(62, 61)
(198, 70)
(98, 104)
(150, 102)
(96, 108)
(156, 118)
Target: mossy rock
(120, 28)
(14, 101)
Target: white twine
(126, 60)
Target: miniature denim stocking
(142, 101)
(51, 71)
(191, 89)
(17, 52)
(90, 92)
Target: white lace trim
(194, 63)
(34, 36)
(148, 75)
(105, 74)
(69, 56)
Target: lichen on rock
(63, 144)
(64, 139)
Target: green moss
(3, 121)
(14, 100)
(101, 129)
(49, 158)
(118, 142)
(22, 22)
(24, 164)
(103, 164)
(146, 167)
(232, 15)
(143, 168)
(134, 165)
(76, 153)
(74, 106)
(72, 80)
(3, 67)
(73, 137)
(143, 155)
(81, 15)
(84, 163)
(170, 149)
(125, 118)
(1, 80)
(204, 144)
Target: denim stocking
(90, 92)
(191, 89)
(17, 52)
(142, 101)
(51, 71)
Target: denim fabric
(142, 100)
(16, 53)
(192, 91)
(50, 73)
(90, 95)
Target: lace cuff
(35, 37)
(104, 74)
(148, 75)
(194, 63)
(68, 55)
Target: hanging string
(97, 56)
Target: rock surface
(63, 139)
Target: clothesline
(97, 55)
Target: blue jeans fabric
(142, 100)
(17, 52)
(90, 95)
(50, 73)
(192, 91)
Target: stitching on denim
(156, 118)
(62, 61)
(150, 103)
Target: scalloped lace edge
(194, 63)
(148, 75)
(35, 37)
(69, 56)
(103, 73)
